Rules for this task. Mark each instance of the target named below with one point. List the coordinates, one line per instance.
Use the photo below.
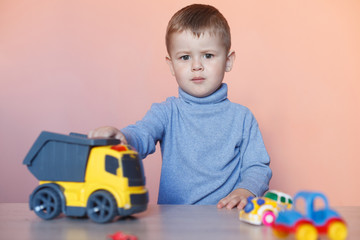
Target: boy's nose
(197, 66)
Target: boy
(212, 149)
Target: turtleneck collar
(216, 97)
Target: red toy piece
(122, 236)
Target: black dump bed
(58, 157)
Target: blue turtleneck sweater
(210, 146)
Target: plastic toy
(85, 177)
(122, 236)
(307, 226)
(263, 210)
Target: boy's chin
(200, 93)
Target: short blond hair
(199, 18)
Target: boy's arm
(255, 170)
(144, 134)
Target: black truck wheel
(101, 207)
(46, 203)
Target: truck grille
(139, 199)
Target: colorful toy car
(263, 210)
(315, 220)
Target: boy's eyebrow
(182, 52)
(209, 50)
(201, 51)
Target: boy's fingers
(232, 203)
(104, 132)
(234, 199)
(90, 134)
(223, 202)
(229, 202)
(108, 132)
(236, 202)
(242, 203)
(121, 137)
(98, 133)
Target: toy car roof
(279, 193)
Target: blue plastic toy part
(250, 198)
(260, 201)
(249, 207)
(309, 198)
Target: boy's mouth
(198, 79)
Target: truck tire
(46, 203)
(101, 207)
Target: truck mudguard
(59, 157)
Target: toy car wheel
(306, 232)
(337, 231)
(101, 207)
(268, 218)
(46, 203)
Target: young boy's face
(198, 63)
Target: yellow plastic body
(97, 178)
(337, 231)
(306, 232)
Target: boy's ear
(230, 61)
(170, 63)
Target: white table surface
(168, 222)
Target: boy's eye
(185, 57)
(208, 55)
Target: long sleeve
(144, 134)
(255, 170)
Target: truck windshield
(133, 170)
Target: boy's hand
(107, 132)
(237, 198)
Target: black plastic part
(75, 211)
(46, 203)
(139, 199)
(57, 188)
(111, 164)
(133, 170)
(101, 207)
(58, 157)
(134, 209)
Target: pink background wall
(76, 65)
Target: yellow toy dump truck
(81, 177)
